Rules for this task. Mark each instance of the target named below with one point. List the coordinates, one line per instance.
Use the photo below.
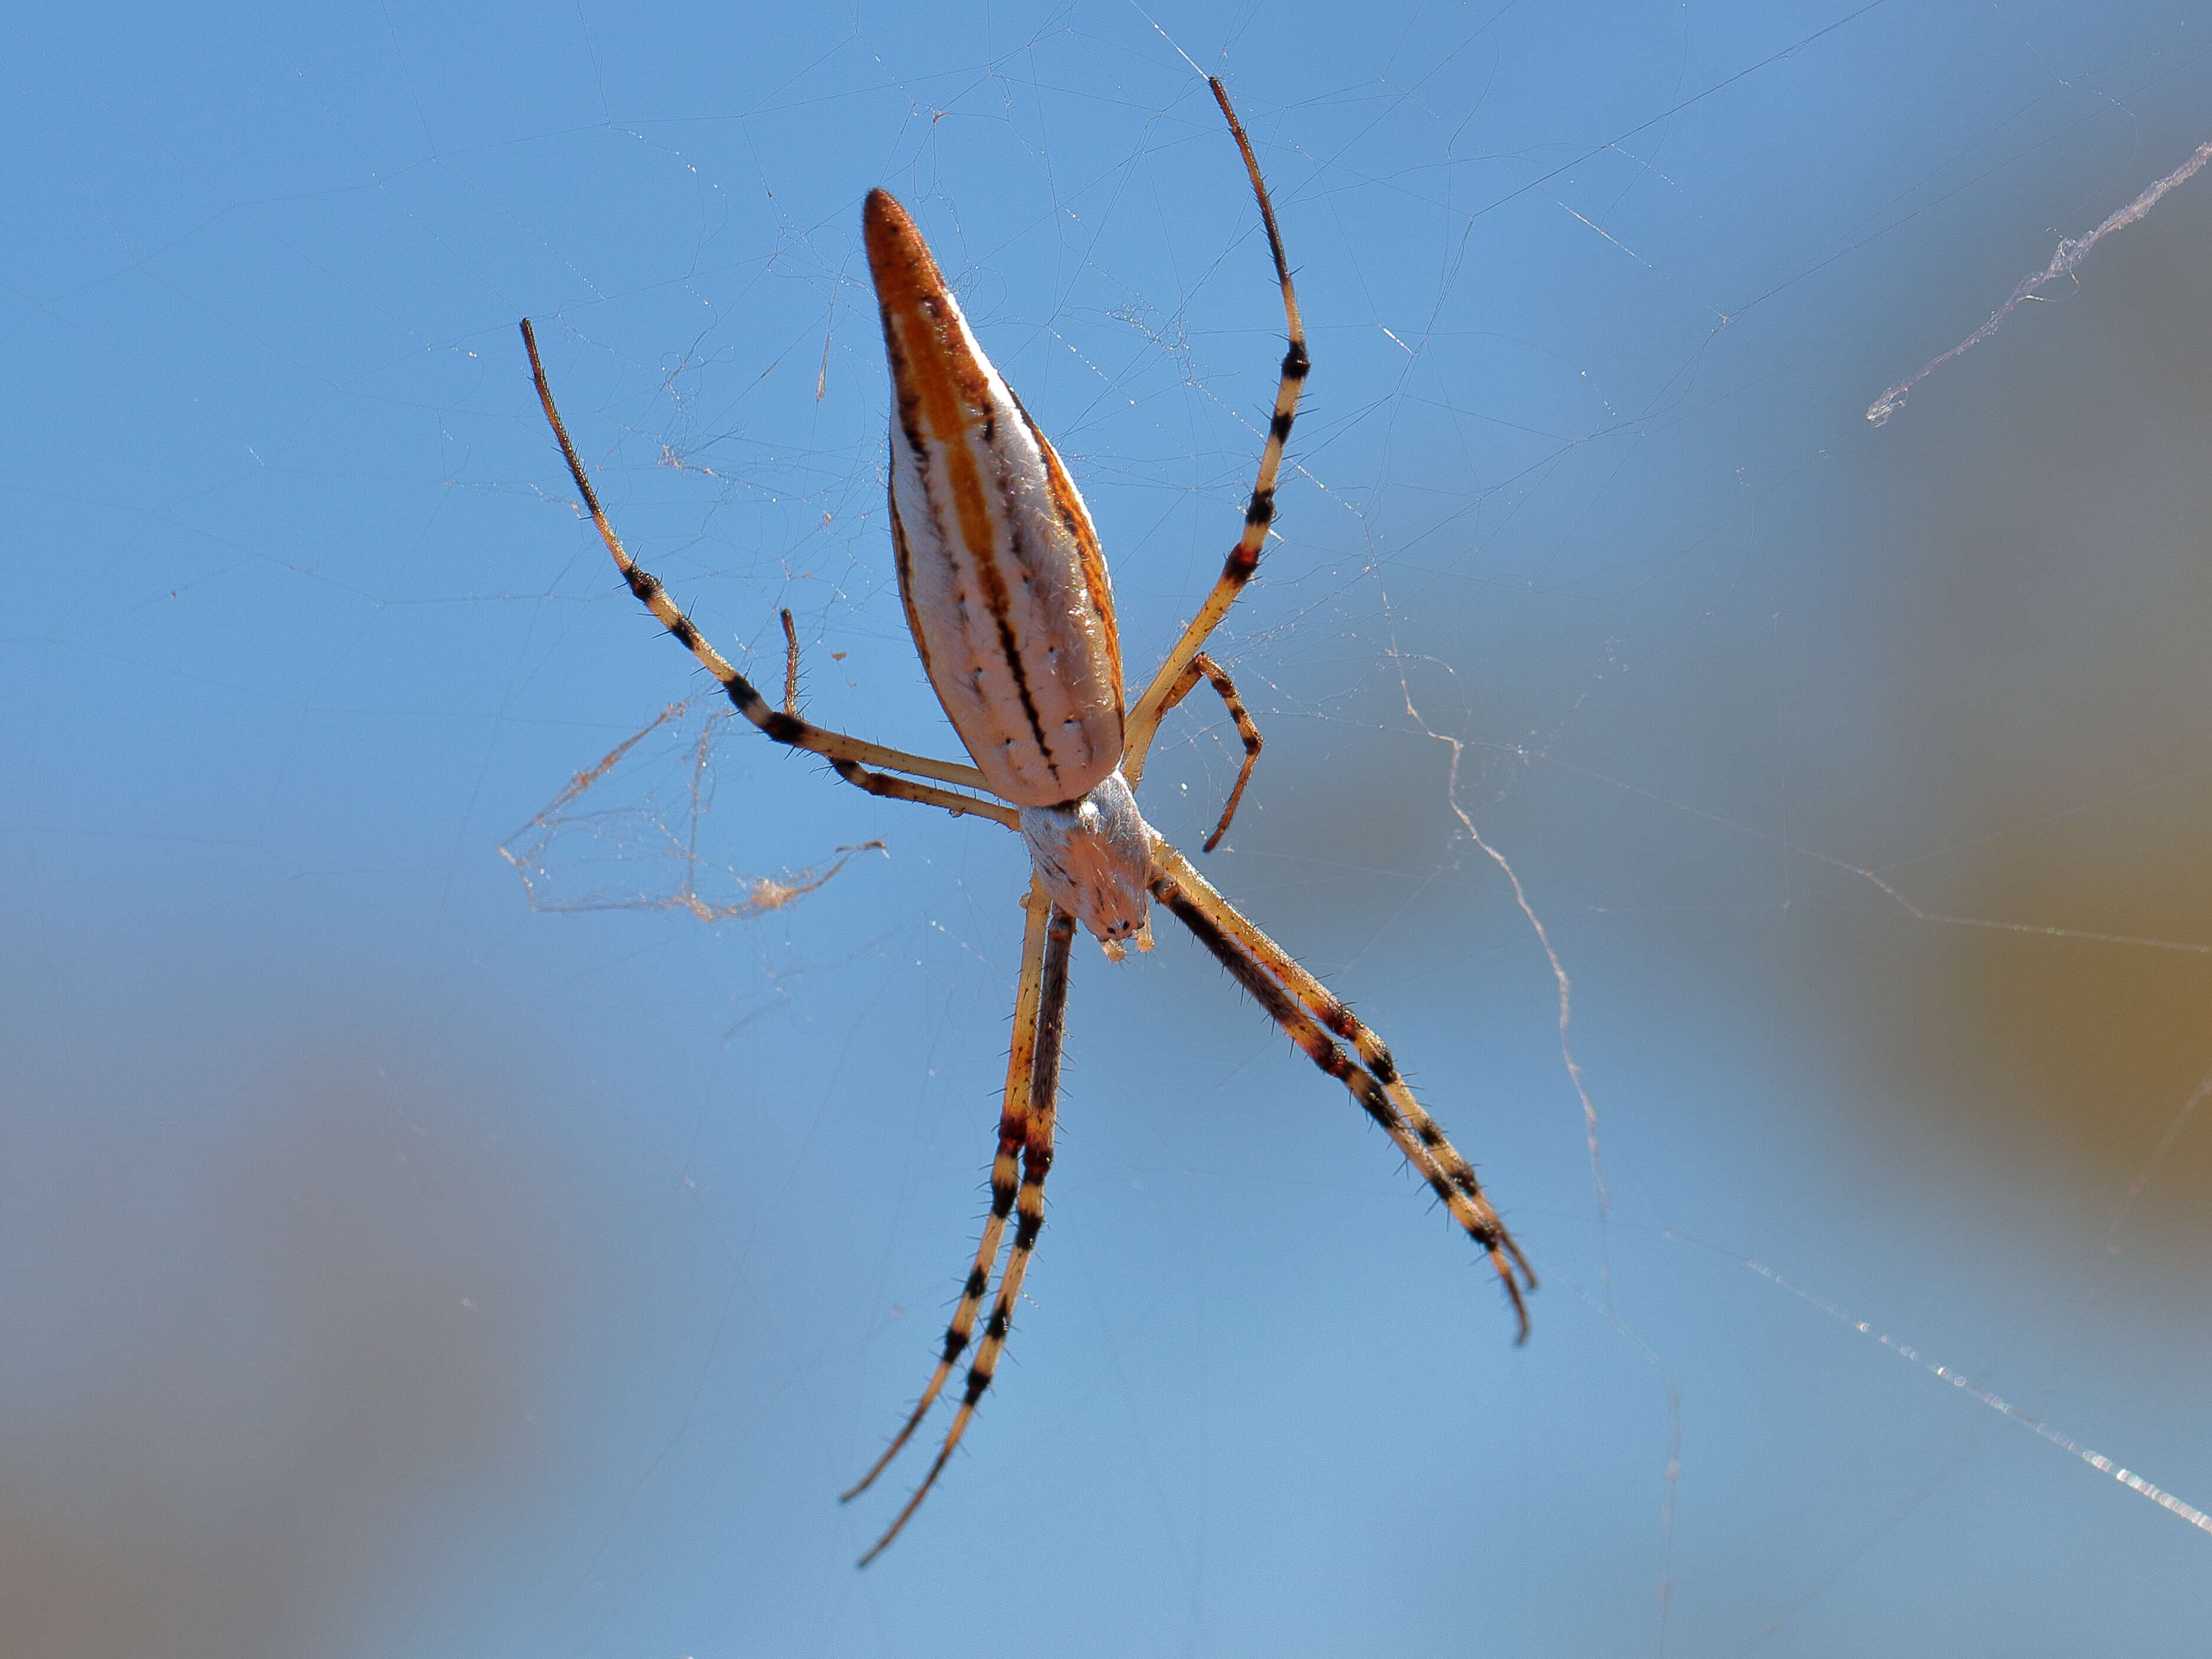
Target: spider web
(577, 854)
(1772, 846)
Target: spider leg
(1204, 667)
(1013, 1134)
(1299, 1004)
(1330, 1010)
(1036, 1160)
(891, 788)
(1144, 721)
(790, 664)
(847, 755)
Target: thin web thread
(1671, 1477)
(2157, 1156)
(1918, 912)
(1551, 955)
(2071, 252)
(2096, 1459)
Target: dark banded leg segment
(1013, 1136)
(1264, 973)
(1243, 559)
(1028, 1207)
(850, 755)
(1326, 1007)
(1204, 667)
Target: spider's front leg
(1309, 1012)
(1015, 1106)
(1026, 1127)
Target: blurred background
(400, 1259)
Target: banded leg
(1325, 1006)
(1283, 989)
(850, 755)
(1036, 1160)
(1144, 723)
(1204, 667)
(1013, 1134)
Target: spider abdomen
(1005, 588)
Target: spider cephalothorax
(1094, 856)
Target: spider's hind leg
(852, 757)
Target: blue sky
(400, 1269)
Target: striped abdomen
(1005, 589)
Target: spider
(1007, 597)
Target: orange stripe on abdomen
(1004, 586)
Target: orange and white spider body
(1007, 597)
(1006, 594)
